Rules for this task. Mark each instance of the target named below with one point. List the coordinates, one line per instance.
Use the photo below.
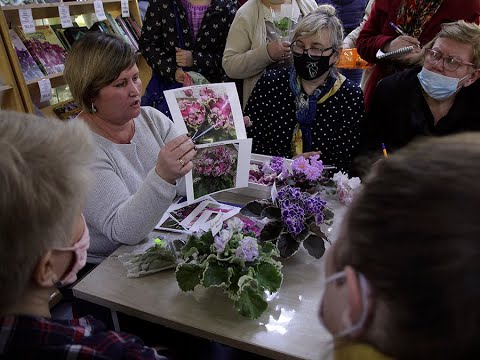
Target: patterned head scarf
(413, 15)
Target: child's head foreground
(413, 235)
(43, 180)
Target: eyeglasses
(450, 63)
(313, 53)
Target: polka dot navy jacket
(160, 37)
(336, 131)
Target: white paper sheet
(201, 215)
(212, 116)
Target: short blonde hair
(462, 32)
(43, 179)
(324, 17)
(95, 61)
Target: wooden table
(289, 329)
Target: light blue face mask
(365, 293)
(438, 86)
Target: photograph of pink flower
(215, 169)
(209, 113)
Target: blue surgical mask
(438, 86)
(365, 292)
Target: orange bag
(349, 59)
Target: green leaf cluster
(284, 25)
(245, 283)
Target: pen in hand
(384, 150)
(397, 29)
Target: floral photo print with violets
(215, 169)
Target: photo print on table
(200, 215)
(208, 113)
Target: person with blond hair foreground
(44, 240)
(436, 99)
(402, 278)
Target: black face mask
(310, 69)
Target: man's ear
(43, 273)
(354, 295)
(473, 77)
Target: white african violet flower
(222, 239)
(248, 249)
(235, 225)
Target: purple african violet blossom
(276, 165)
(247, 249)
(299, 165)
(221, 240)
(316, 162)
(312, 173)
(315, 205)
(297, 207)
(310, 168)
(293, 216)
(289, 192)
(192, 112)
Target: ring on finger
(182, 162)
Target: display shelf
(27, 91)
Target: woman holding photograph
(253, 42)
(140, 157)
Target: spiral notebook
(381, 55)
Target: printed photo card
(200, 215)
(208, 113)
(212, 116)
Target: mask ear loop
(365, 293)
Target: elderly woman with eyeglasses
(310, 106)
(439, 98)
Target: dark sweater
(350, 12)
(400, 113)
(160, 37)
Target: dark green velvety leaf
(328, 214)
(202, 244)
(269, 276)
(251, 303)
(188, 276)
(237, 273)
(271, 212)
(271, 231)
(254, 207)
(315, 246)
(216, 275)
(314, 228)
(302, 236)
(287, 245)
